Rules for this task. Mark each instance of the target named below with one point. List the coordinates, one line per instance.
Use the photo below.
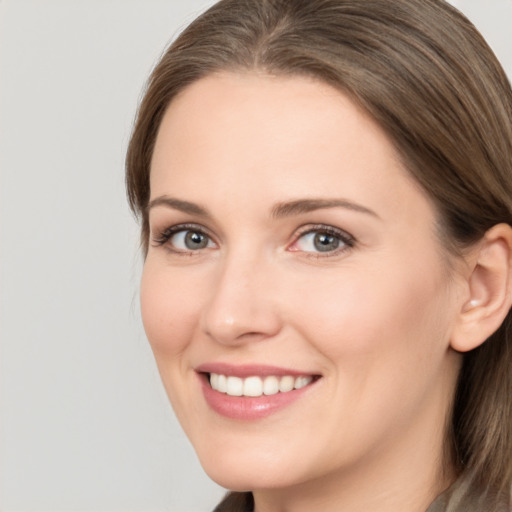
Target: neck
(376, 489)
(405, 477)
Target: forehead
(250, 135)
(264, 109)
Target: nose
(241, 307)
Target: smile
(254, 386)
(250, 392)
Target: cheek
(169, 311)
(364, 312)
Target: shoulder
(466, 496)
(236, 502)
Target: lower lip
(249, 408)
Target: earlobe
(490, 290)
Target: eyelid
(164, 235)
(348, 241)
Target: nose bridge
(240, 306)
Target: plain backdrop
(85, 424)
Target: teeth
(222, 384)
(253, 386)
(256, 386)
(271, 385)
(286, 384)
(235, 386)
(301, 382)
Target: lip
(249, 408)
(249, 370)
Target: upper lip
(250, 370)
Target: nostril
(237, 314)
(234, 332)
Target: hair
(422, 71)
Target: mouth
(255, 386)
(253, 392)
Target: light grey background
(85, 425)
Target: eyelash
(347, 241)
(164, 236)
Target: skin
(374, 318)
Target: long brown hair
(427, 77)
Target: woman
(325, 196)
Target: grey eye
(195, 240)
(188, 240)
(323, 242)
(319, 241)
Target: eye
(188, 240)
(324, 239)
(184, 239)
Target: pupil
(324, 242)
(195, 240)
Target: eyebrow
(178, 204)
(308, 205)
(280, 210)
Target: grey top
(463, 496)
(460, 497)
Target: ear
(489, 286)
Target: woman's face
(293, 261)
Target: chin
(244, 471)
(247, 481)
